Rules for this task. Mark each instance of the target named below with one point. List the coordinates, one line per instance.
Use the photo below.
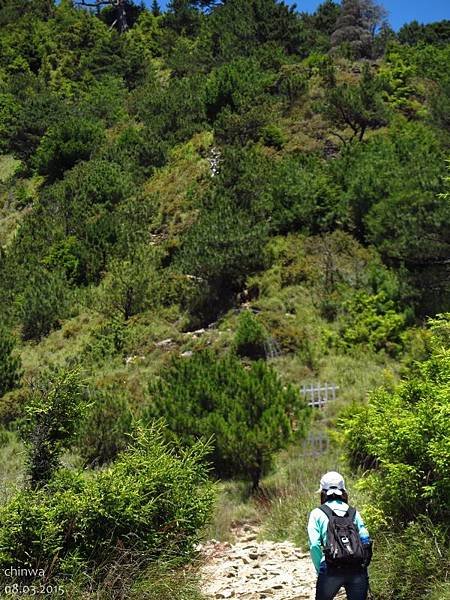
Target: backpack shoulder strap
(327, 510)
(351, 513)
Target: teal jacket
(317, 529)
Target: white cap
(332, 483)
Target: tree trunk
(121, 16)
(256, 472)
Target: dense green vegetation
(149, 503)
(9, 363)
(401, 439)
(185, 196)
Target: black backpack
(344, 548)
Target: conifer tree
(374, 15)
(156, 9)
(357, 107)
(52, 416)
(41, 303)
(326, 16)
(182, 17)
(352, 30)
(249, 413)
(41, 8)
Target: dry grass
(12, 466)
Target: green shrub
(292, 82)
(103, 432)
(400, 83)
(390, 192)
(8, 118)
(243, 126)
(36, 111)
(11, 406)
(66, 144)
(372, 322)
(249, 412)
(357, 446)
(172, 113)
(301, 196)
(250, 337)
(355, 107)
(235, 85)
(151, 502)
(10, 364)
(405, 435)
(401, 440)
(105, 99)
(86, 225)
(273, 136)
(87, 186)
(66, 255)
(52, 415)
(105, 341)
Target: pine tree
(352, 30)
(52, 415)
(326, 16)
(249, 413)
(182, 17)
(41, 303)
(355, 107)
(41, 8)
(156, 9)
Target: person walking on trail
(339, 543)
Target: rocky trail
(256, 570)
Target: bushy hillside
(200, 210)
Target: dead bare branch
(93, 4)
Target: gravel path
(252, 570)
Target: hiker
(339, 543)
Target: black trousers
(355, 583)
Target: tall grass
(413, 564)
(235, 505)
(12, 465)
(162, 580)
(292, 490)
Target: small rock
(164, 343)
(130, 359)
(225, 594)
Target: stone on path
(251, 570)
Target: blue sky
(400, 11)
